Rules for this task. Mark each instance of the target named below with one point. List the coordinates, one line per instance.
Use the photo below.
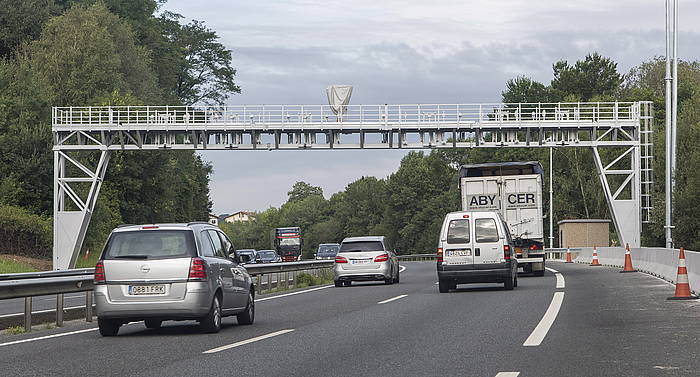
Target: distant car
(327, 250)
(269, 256)
(252, 254)
(475, 247)
(365, 259)
(161, 272)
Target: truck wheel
(508, 284)
(443, 286)
(108, 327)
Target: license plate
(136, 290)
(459, 253)
(360, 261)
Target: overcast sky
(403, 51)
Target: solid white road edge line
(46, 337)
(538, 334)
(392, 299)
(248, 341)
(293, 293)
(560, 278)
(508, 374)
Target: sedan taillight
(341, 260)
(99, 272)
(382, 258)
(198, 269)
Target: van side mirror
(243, 258)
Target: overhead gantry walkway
(624, 127)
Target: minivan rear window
(485, 230)
(349, 247)
(150, 244)
(458, 231)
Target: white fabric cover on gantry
(338, 96)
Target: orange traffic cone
(682, 285)
(628, 261)
(595, 257)
(568, 255)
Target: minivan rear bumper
(195, 304)
(476, 273)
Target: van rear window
(458, 231)
(150, 244)
(485, 230)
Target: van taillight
(198, 269)
(341, 260)
(99, 272)
(381, 258)
(506, 252)
(439, 255)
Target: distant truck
(515, 190)
(287, 242)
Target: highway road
(609, 324)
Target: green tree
(302, 190)
(594, 76)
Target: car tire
(397, 278)
(389, 280)
(539, 273)
(515, 283)
(347, 283)
(153, 323)
(212, 322)
(248, 316)
(108, 327)
(443, 286)
(338, 283)
(509, 284)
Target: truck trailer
(515, 190)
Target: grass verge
(9, 266)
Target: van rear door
(487, 241)
(457, 241)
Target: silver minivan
(161, 272)
(475, 247)
(365, 259)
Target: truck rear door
(487, 242)
(458, 241)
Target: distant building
(584, 233)
(213, 219)
(242, 216)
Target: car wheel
(397, 278)
(347, 283)
(443, 286)
(389, 280)
(212, 322)
(108, 327)
(338, 283)
(508, 284)
(153, 323)
(515, 283)
(248, 316)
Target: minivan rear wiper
(134, 256)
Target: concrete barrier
(656, 261)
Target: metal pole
(59, 310)
(551, 202)
(88, 306)
(674, 97)
(668, 79)
(28, 314)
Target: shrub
(24, 233)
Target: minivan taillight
(99, 272)
(506, 252)
(198, 269)
(439, 255)
(382, 258)
(341, 260)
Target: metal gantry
(624, 127)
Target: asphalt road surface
(597, 323)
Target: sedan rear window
(348, 247)
(150, 244)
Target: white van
(475, 247)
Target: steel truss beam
(312, 127)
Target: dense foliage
(111, 52)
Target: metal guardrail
(417, 257)
(29, 284)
